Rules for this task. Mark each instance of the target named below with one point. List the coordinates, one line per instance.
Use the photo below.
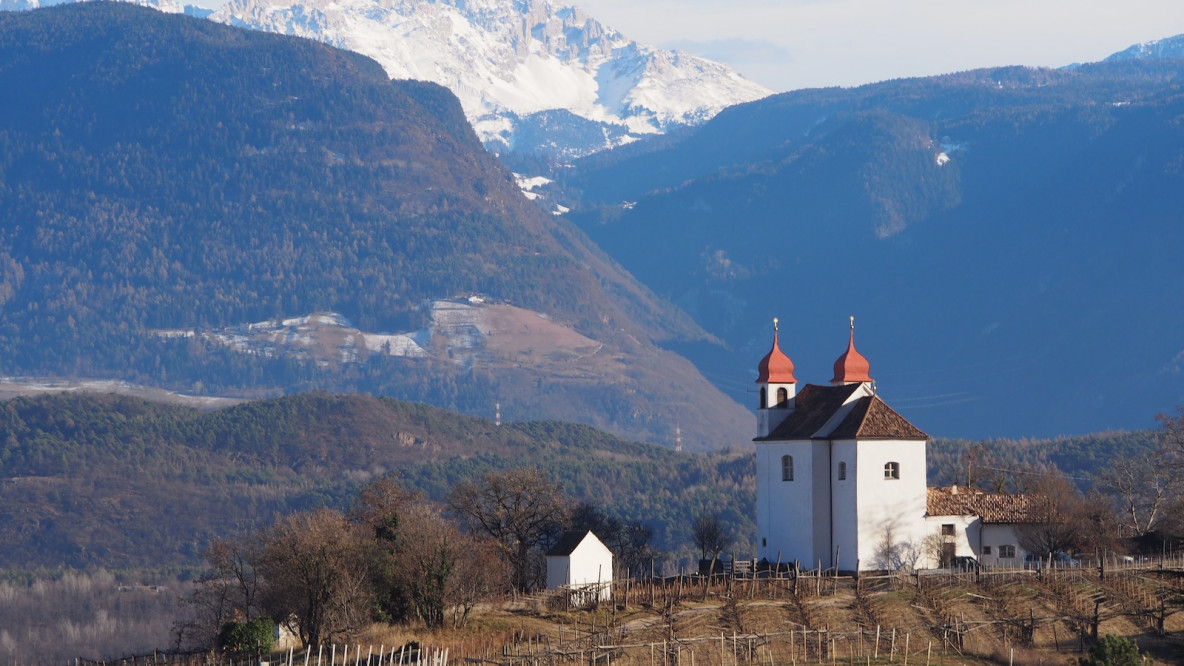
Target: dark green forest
(118, 482)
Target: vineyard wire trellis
(1127, 582)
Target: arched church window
(842, 471)
(892, 470)
(764, 398)
(782, 397)
(787, 468)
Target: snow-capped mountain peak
(532, 76)
(508, 60)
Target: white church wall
(785, 509)
(890, 509)
(820, 498)
(845, 504)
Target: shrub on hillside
(1113, 651)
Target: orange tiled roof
(991, 507)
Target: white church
(841, 480)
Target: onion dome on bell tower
(851, 367)
(775, 367)
(778, 387)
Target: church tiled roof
(816, 406)
(813, 407)
(991, 507)
(871, 418)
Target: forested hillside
(119, 482)
(161, 175)
(1006, 239)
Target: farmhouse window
(842, 471)
(947, 529)
(1006, 552)
(787, 468)
(986, 550)
(892, 470)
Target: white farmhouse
(583, 564)
(840, 475)
(969, 522)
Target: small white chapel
(839, 474)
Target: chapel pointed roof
(851, 366)
(775, 367)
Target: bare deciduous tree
(1141, 488)
(1056, 512)
(442, 568)
(711, 536)
(317, 568)
(522, 510)
(229, 590)
(1171, 429)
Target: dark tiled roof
(813, 407)
(568, 543)
(871, 418)
(991, 507)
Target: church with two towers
(841, 476)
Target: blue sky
(790, 44)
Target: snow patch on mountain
(1159, 49)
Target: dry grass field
(1015, 617)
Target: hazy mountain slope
(116, 482)
(1168, 48)
(1006, 239)
(166, 176)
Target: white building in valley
(986, 526)
(582, 564)
(841, 480)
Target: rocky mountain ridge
(533, 77)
